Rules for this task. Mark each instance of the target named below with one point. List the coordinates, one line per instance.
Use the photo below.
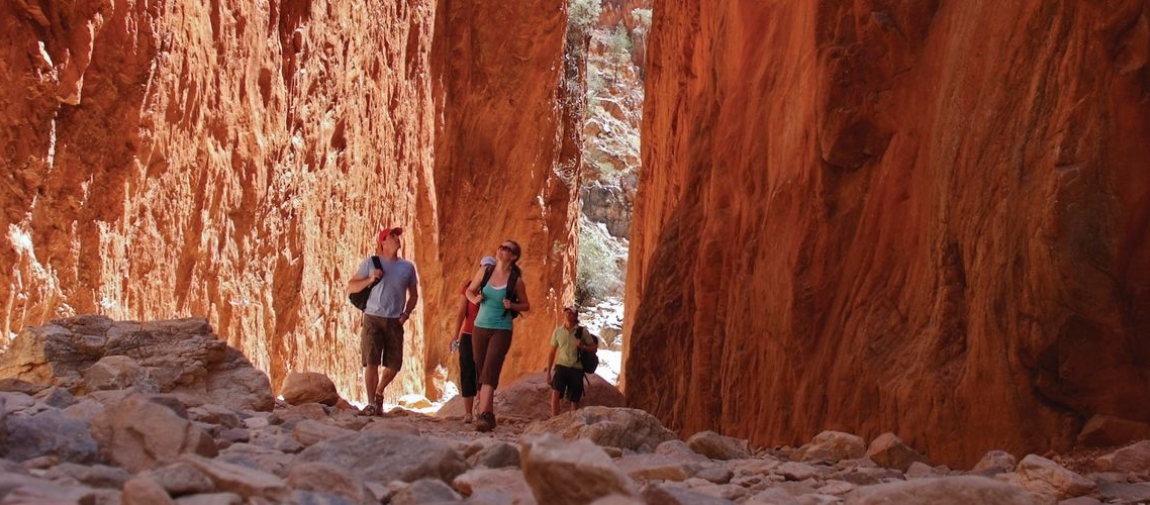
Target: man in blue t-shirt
(390, 305)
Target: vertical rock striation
(234, 160)
(507, 157)
(922, 217)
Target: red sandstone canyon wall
(233, 160)
(922, 217)
(507, 162)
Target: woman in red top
(465, 324)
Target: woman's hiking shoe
(468, 419)
(485, 422)
(369, 411)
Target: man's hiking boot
(485, 422)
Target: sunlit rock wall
(234, 160)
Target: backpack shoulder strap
(512, 284)
(487, 271)
(375, 260)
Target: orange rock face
(924, 217)
(233, 160)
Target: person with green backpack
(386, 288)
(569, 342)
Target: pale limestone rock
(564, 472)
(328, 479)
(1134, 458)
(716, 446)
(888, 450)
(139, 434)
(145, 491)
(484, 485)
(963, 490)
(309, 387)
(386, 456)
(1042, 475)
(247, 482)
(995, 462)
(832, 446)
(309, 432)
(655, 467)
(612, 427)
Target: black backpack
(360, 299)
(512, 282)
(588, 359)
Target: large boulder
(143, 432)
(94, 353)
(309, 387)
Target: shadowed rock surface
(924, 217)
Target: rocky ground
(155, 424)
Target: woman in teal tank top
(493, 325)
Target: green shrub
(583, 14)
(598, 274)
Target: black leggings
(467, 377)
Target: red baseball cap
(384, 233)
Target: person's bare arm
(412, 299)
(550, 364)
(357, 283)
(473, 294)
